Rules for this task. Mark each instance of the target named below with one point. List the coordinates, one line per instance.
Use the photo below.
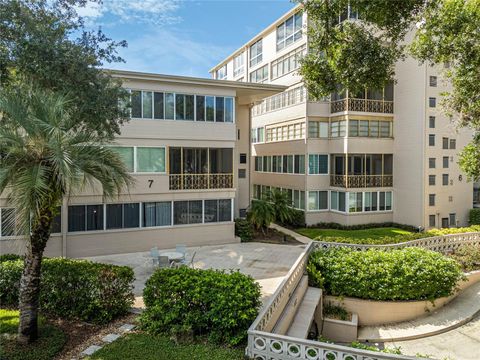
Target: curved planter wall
(371, 312)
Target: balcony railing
(200, 181)
(361, 181)
(363, 105)
(276, 102)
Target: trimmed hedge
(474, 217)
(10, 257)
(406, 274)
(331, 225)
(244, 229)
(187, 302)
(74, 289)
(298, 219)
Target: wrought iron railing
(200, 181)
(362, 105)
(359, 181)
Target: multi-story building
(384, 155)
(187, 146)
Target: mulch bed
(274, 237)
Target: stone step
(305, 314)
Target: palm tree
(261, 214)
(44, 156)
(282, 205)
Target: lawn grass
(50, 342)
(150, 347)
(374, 233)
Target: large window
(337, 201)
(123, 216)
(171, 106)
(289, 31)
(258, 135)
(221, 73)
(288, 62)
(369, 128)
(256, 53)
(157, 214)
(317, 200)
(287, 164)
(187, 212)
(355, 202)
(318, 164)
(238, 65)
(259, 75)
(218, 210)
(127, 156)
(338, 128)
(317, 129)
(150, 160)
(85, 218)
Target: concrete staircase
(301, 310)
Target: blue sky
(181, 37)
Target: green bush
(474, 217)
(74, 289)
(244, 229)
(297, 220)
(468, 256)
(195, 302)
(331, 225)
(448, 231)
(10, 257)
(406, 274)
(372, 241)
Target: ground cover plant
(49, 343)
(336, 312)
(74, 289)
(404, 274)
(191, 303)
(468, 256)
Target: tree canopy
(45, 42)
(362, 54)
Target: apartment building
(187, 146)
(378, 156)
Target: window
(158, 99)
(187, 212)
(243, 158)
(151, 159)
(7, 222)
(256, 53)
(147, 104)
(242, 173)
(318, 129)
(431, 199)
(238, 64)
(431, 163)
(445, 162)
(431, 140)
(337, 201)
(431, 122)
(299, 167)
(318, 200)
(444, 179)
(453, 144)
(318, 164)
(289, 31)
(259, 75)
(338, 128)
(126, 155)
(85, 218)
(444, 143)
(433, 81)
(298, 199)
(353, 128)
(123, 216)
(169, 106)
(431, 220)
(288, 62)
(229, 109)
(432, 102)
(157, 214)
(210, 108)
(371, 201)
(355, 202)
(431, 180)
(136, 103)
(258, 135)
(218, 210)
(445, 223)
(221, 73)
(385, 201)
(452, 219)
(184, 107)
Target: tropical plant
(261, 214)
(44, 157)
(283, 211)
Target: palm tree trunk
(30, 281)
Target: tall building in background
(383, 155)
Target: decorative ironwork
(200, 181)
(362, 105)
(359, 181)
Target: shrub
(74, 289)
(406, 274)
(323, 225)
(468, 256)
(10, 257)
(372, 241)
(297, 220)
(474, 217)
(448, 231)
(213, 303)
(244, 229)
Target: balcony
(362, 105)
(201, 181)
(361, 181)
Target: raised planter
(372, 312)
(340, 330)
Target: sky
(180, 37)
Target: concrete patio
(266, 263)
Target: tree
(361, 54)
(45, 41)
(261, 214)
(44, 156)
(282, 206)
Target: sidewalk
(295, 235)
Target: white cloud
(145, 11)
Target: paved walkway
(295, 235)
(266, 263)
(453, 315)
